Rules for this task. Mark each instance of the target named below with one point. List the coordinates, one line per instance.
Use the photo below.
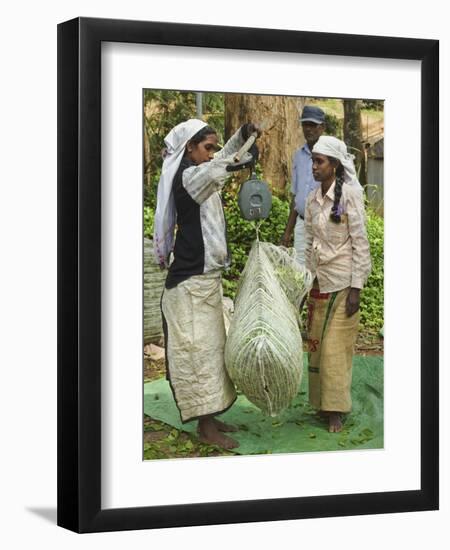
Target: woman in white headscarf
(337, 253)
(192, 177)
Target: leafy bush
(241, 234)
(164, 109)
(372, 296)
(150, 190)
(375, 104)
(149, 218)
(333, 125)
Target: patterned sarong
(331, 338)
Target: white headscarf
(165, 215)
(334, 147)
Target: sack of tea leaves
(154, 279)
(264, 350)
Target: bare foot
(209, 433)
(222, 427)
(334, 422)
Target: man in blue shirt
(313, 125)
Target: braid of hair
(335, 215)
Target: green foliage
(375, 104)
(150, 192)
(149, 218)
(241, 234)
(333, 126)
(372, 296)
(164, 109)
(214, 113)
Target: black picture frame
(79, 274)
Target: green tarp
(298, 428)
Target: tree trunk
(353, 136)
(281, 135)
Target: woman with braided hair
(337, 253)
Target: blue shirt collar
(306, 149)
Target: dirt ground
(153, 369)
(369, 345)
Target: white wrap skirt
(194, 327)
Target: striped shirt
(337, 254)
